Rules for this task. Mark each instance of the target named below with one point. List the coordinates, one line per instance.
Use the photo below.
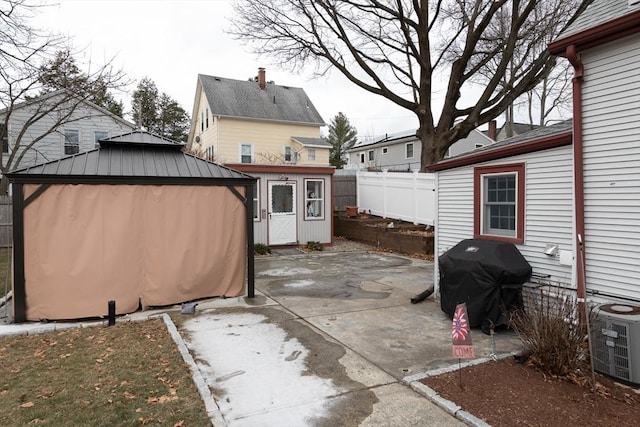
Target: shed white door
(282, 212)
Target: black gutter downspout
(251, 291)
(19, 294)
(578, 175)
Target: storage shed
(136, 221)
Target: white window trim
(371, 156)
(64, 141)
(362, 157)
(96, 139)
(308, 199)
(413, 150)
(385, 150)
(485, 228)
(311, 154)
(240, 151)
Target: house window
(202, 121)
(385, 150)
(206, 118)
(361, 157)
(314, 198)
(289, 155)
(370, 155)
(208, 153)
(71, 141)
(246, 153)
(479, 145)
(4, 135)
(311, 153)
(97, 136)
(408, 150)
(499, 202)
(256, 201)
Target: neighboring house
(80, 131)
(516, 129)
(401, 152)
(273, 133)
(559, 192)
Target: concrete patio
(328, 340)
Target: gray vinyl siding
(548, 208)
(317, 230)
(396, 159)
(611, 135)
(86, 121)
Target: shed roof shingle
(599, 12)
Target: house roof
(245, 99)
(599, 12)
(133, 158)
(543, 137)
(601, 22)
(519, 128)
(65, 92)
(402, 137)
(311, 142)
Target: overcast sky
(172, 42)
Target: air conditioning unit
(616, 343)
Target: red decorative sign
(461, 334)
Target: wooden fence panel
(344, 191)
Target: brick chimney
(262, 81)
(492, 132)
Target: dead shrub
(552, 335)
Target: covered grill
(485, 274)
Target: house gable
(255, 121)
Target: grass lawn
(128, 374)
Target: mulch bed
(505, 393)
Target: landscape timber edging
(381, 236)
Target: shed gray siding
(611, 135)
(548, 208)
(307, 230)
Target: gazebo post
(19, 295)
(251, 291)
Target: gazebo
(136, 221)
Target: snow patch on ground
(300, 284)
(262, 373)
(285, 271)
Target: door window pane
(282, 199)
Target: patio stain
(308, 288)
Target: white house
(59, 124)
(569, 189)
(401, 152)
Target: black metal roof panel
(245, 99)
(145, 157)
(140, 137)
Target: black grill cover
(485, 274)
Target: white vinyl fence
(407, 196)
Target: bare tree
(31, 108)
(553, 92)
(399, 48)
